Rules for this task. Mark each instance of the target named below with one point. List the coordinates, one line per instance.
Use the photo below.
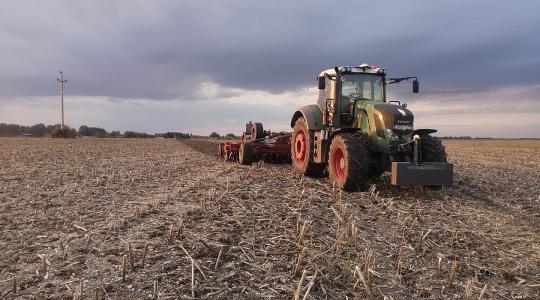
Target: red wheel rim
(300, 146)
(339, 163)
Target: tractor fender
(423, 132)
(312, 114)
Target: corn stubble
(162, 219)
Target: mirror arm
(398, 80)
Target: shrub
(64, 133)
(231, 136)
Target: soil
(77, 215)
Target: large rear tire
(348, 161)
(245, 154)
(302, 150)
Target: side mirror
(415, 86)
(404, 105)
(321, 83)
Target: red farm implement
(257, 144)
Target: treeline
(174, 135)
(14, 130)
(37, 130)
(228, 136)
(451, 137)
(42, 130)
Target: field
(132, 219)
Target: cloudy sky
(202, 66)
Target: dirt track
(70, 209)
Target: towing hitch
(418, 172)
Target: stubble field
(143, 219)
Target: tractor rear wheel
(245, 154)
(302, 150)
(348, 161)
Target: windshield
(362, 86)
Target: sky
(203, 66)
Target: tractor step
(432, 173)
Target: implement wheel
(348, 162)
(226, 154)
(301, 150)
(257, 131)
(245, 154)
(220, 150)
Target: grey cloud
(165, 49)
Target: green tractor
(357, 135)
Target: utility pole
(62, 81)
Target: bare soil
(77, 215)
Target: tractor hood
(395, 117)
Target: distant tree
(130, 134)
(14, 129)
(9, 129)
(182, 135)
(38, 130)
(115, 134)
(214, 135)
(83, 130)
(133, 134)
(101, 134)
(92, 131)
(66, 132)
(231, 136)
(173, 135)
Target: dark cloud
(165, 49)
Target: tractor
(355, 134)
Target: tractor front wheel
(433, 150)
(348, 161)
(302, 150)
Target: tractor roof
(363, 68)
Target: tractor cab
(342, 89)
